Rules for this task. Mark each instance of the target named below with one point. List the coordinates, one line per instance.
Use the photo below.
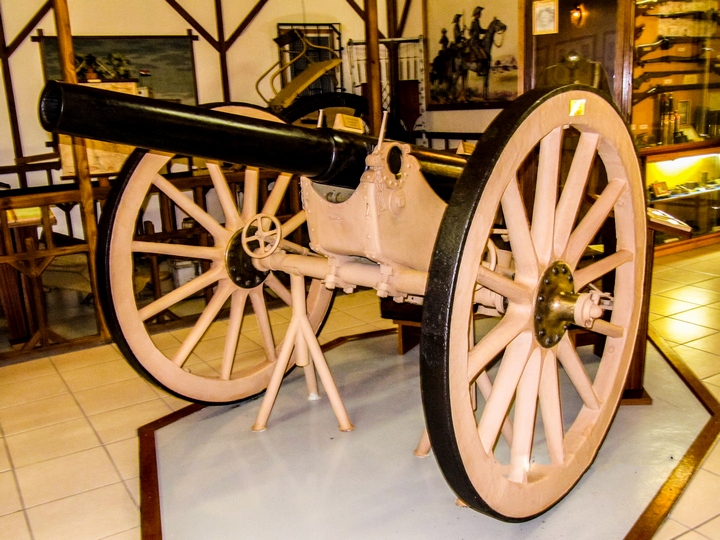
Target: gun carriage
(515, 410)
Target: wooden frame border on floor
(645, 527)
(659, 508)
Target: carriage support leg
(301, 336)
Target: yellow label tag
(345, 122)
(465, 148)
(577, 107)
(19, 217)
(32, 212)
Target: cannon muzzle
(324, 155)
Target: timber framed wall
(233, 48)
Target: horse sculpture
(450, 67)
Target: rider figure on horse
(458, 33)
(477, 32)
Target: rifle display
(648, 75)
(669, 59)
(664, 43)
(696, 14)
(642, 6)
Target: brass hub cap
(554, 304)
(240, 265)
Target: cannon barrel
(324, 155)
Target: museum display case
(684, 181)
(676, 109)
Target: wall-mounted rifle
(642, 6)
(664, 43)
(709, 15)
(700, 58)
(648, 75)
(662, 88)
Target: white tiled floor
(68, 440)
(68, 435)
(685, 310)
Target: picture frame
(162, 67)
(163, 64)
(467, 72)
(660, 189)
(544, 17)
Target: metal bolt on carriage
(495, 246)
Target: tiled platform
(304, 479)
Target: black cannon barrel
(324, 155)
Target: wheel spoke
(485, 385)
(181, 293)
(191, 209)
(237, 310)
(277, 194)
(503, 333)
(551, 408)
(543, 217)
(178, 250)
(293, 223)
(593, 220)
(227, 200)
(278, 288)
(572, 193)
(526, 263)
(512, 366)
(524, 418)
(223, 292)
(263, 319)
(596, 270)
(250, 193)
(504, 286)
(575, 370)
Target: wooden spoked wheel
(230, 351)
(518, 445)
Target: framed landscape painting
(164, 65)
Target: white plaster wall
(251, 54)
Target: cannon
(500, 248)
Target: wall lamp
(578, 15)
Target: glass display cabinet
(676, 109)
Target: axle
(324, 155)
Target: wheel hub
(240, 265)
(554, 304)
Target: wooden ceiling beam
(403, 18)
(196, 25)
(246, 22)
(361, 14)
(29, 27)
